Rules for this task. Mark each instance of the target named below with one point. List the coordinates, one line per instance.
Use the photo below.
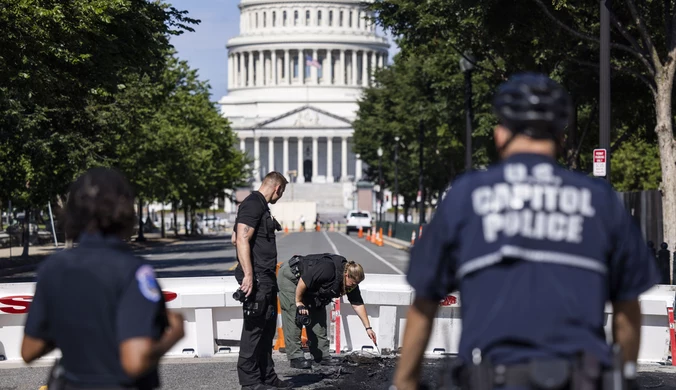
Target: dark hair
(101, 200)
(275, 178)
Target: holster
(56, 379)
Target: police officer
(306, 285)
(535, 251)
(99, 303)
(257, 261)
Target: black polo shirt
(90, 299)
(325, 272)
(254, 212)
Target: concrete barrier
(213, 319)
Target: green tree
(57, 59)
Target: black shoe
(280, 384)
(259, 386)
(330, 361)
(300, 363)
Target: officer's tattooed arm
(627, 328)
(244, 235)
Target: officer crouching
(306, 285)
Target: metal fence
(646, 208)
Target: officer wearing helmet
(535, 251)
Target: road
(215, 255)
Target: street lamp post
(395, 196)
(380, 185)
(604, 74)
(467, 66)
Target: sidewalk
(397, 243)
(12, 263)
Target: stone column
(287, 66)
(329, 159)
(343, 159)
(315, 157)
(341, 80)
(313, 70)
(301, 174)
(242, 144)
(274, 67)
(328, 73)
(381, 60)
(241, 81)
(249, 71)
(257, 161)
(230, 70)
(354, 67)
(285, 157)
(373, 67)
(358, 169)
(271, 154)
(301, 66)
(364, 69)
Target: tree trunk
(186, 221)
(140, 237)
(665, 138)
(162, 217)
(193, 222)
(26, 232)
(175, 211)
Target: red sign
(600, 156)
(19, 304)
(448, 301)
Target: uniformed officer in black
(257, 256)
(307, 284)
(535, 251)
(99, 303)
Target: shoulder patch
(145, 276)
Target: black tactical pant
(255, 363)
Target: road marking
(387, 263)
(335, 249)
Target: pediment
(307, 117)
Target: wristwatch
(369, 328)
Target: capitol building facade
(295, 73)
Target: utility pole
(604, 98)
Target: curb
(395, 244)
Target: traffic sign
(599, 162)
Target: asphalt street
(215, 255)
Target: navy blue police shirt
(254, 212)
(535, 251)
(90, 299)
(324, 272)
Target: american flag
(310, 62)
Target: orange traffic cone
(413, 237)
(286, 230)
(373, 235)
(368, 235)
(420, 234)
(379, 241)
(279, 342)
(361, 232)
(389, 231)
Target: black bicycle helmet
(534, 105)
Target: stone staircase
(333, 199)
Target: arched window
(256, 19)
(349, 23)
(330, 18)
(274, 19)
(295, 18)
(265, 19)
(307, 18)
(284, 18)
(340, 19)
(319, 18)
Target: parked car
(357, 219)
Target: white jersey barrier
(213, 319)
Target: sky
(204, 49)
